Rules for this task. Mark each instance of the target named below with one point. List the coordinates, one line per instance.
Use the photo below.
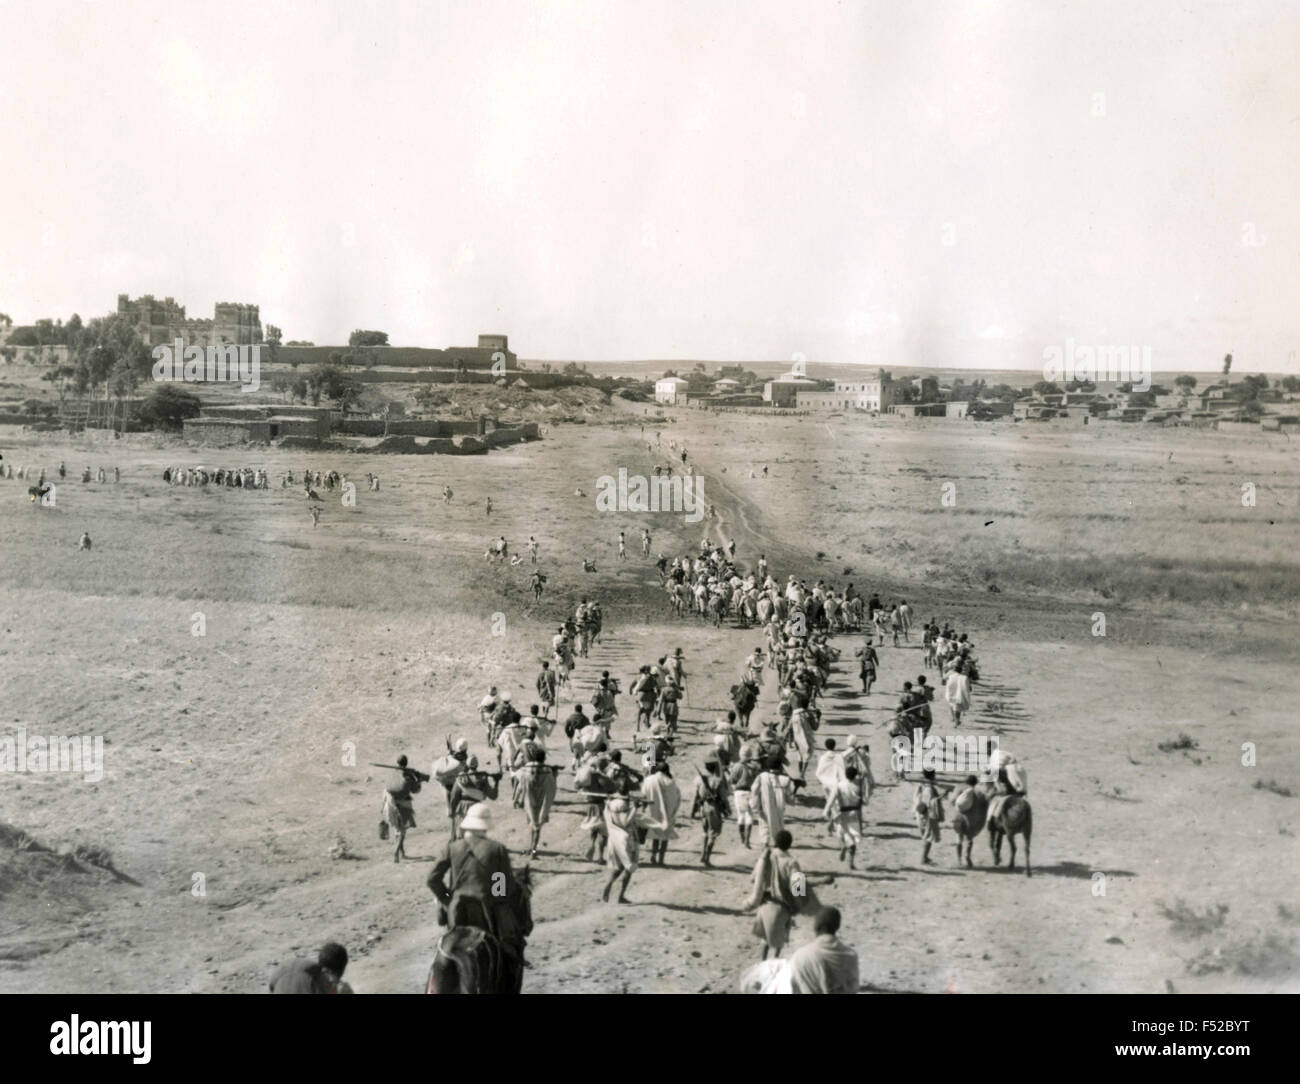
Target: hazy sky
(887, 183)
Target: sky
(960, 184)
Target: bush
(168, 406)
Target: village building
(782, 391)
(671, 390)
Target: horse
(1015, 817)
(744, 696)
(968, 824)
(471, 960)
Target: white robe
(830, 771)
(957, 691)
(769, 796)
(665, 798)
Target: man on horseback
(1009, 777)
(473, 883)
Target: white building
(875, 394)
(671, 390)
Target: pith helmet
(478, 818)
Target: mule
(1014, 818)
(744, 696)
(471, 960)
(967, 825)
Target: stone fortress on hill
(161, 322)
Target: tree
(1186, 382)
(6, 320)
(273, 344)
(1227, 365)
(168, 405)
(1291, 383)
(1081, 385)
(698, 383)
(333, 382)
(298, 342)
(1046, 387)
(1250, 387)
(368, 338)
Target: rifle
(629, 797)
(418, 775)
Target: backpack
(446, 768)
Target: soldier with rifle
(546, 686)
(398, 810)
(710, 804)
(472, 787)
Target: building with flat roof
(671, 390)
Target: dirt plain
(378, 631)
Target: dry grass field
(238, 833)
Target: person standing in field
(645, 542)
(867, 667)
(532, 548)
(621, 824)
(663, 798)
(957, 692)
(928, 807)
(905, 618)
(780, 891)
(881, 622)
(315, 514)
(710, 804)
(488, 506)
(771, 790)
(536, 785)
(846, 804)
(399, 809)
(622, 547)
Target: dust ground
(224, 753)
